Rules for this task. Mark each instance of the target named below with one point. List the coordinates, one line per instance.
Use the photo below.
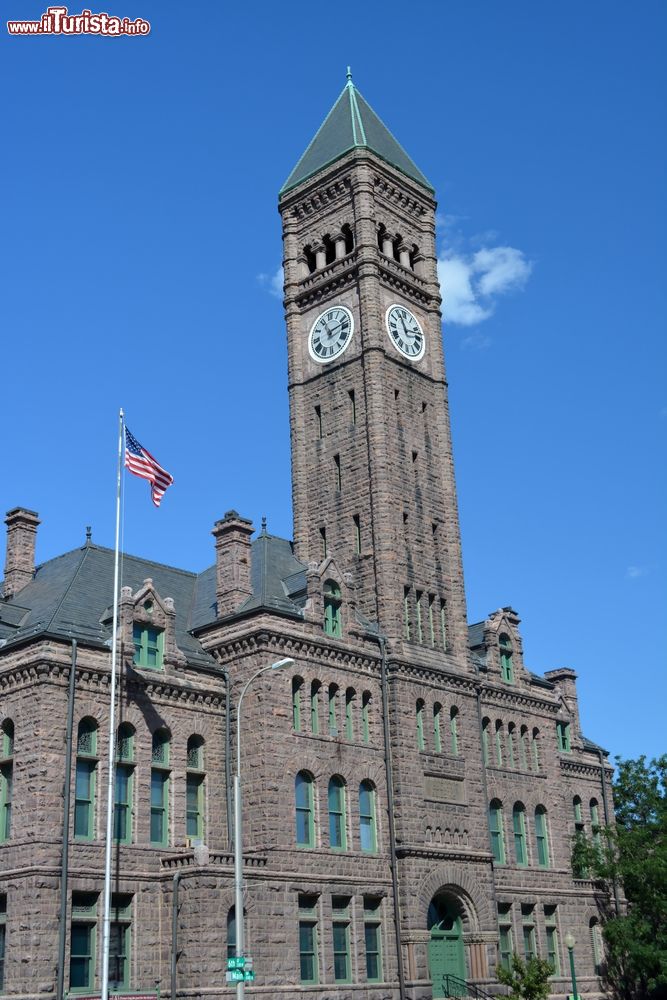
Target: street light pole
(569, 943)
(238, 845)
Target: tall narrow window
(367, 831)
(308, 968)
(506, 663)
(535, 747)
(431, 619)
(82, 940)
(505, 942)
(443, 623)
(160, 788)
(332, 609)
(541, 837)
(297, 693)
(318, 421)
(353, 406)
(231, 932)
(519, 824)
(194, 788)
(499, 743)
(365, 716)
(119, 941)
(419, 712)
(336, 801)
(454, 729)
(337, 476)
(418, 608)
(333, 714)
(597, 946)
(6, 778)
(486, 726)
(303, 795)
(595, 823)
(437, 734)
(496, 829)
(323, 542)
(148, 647)
(578, 869)
(315, 707)
(523, 748)
(373, 938)
(528, 928)
(340, 909)
(84, 782)
(406, 612)
(511, 744)
(563, 736)
(122, 816)
(357, 534)
(551, 934)
(3, 928)
(350, 700)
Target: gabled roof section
(352, 124)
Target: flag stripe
(141, 463)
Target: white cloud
(634, 572)
(273, 282)
(471, 282)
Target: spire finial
(349, 74)
(264, 525)
(89, 534)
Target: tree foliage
(632, 855)
(527, 980)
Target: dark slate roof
(278, 578)
(589, 745)
(352, 124)
(476, 635)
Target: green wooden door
(445, 953)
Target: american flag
(142, 464)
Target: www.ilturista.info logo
(57, 21)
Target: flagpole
(106, 927)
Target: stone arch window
(309, 257)
(195, 784)
(496, 830)
(315, 688)
(511, 744)
(535, 749)
(336, 804)
(333, 710)
(419, 716)
(397, 244)
(329, 249)
(414, 257)
(523, 748)
(578, 870)
(160, 777)
(348, 237)
(148, 644)
(367, 813)
(486, 726)
(597, 945)
(85, 779)
(506, 658)
(454, 729)
(332, 609)
(366, 716)
(541, 837)
(437, 734)
(499, 743)
(563, 737)
(595, 823)
(124, 784)
(6, 778)
(519, 827)
(297, 695)
(350, 701)
(304, 808)
(231, 932)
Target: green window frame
(505, 940)
(303, 798)
(85, 780)
(350, 699)
(511, 744)
(333, 714)
(486, 725)
(419, 716)
(373, 939)
(297, 692)
(595, 823)
(315, 688)
(308, 940)
(122, 805)
(336, 804)
(431, 618)
(496, 830)
(194, 806)
(499, 743)
(367, 822)
(418, 608)
(535, 747)
(340, 908)
(443, 623)
(528, 931)
(3, 935)
(551, 935)
(563, 737)
(6, 790)
(454, 730)
(506, 658)
(148, 647)
(541, 837)
(83, 928)
(333, 624)
(231, 932)
(523, 748)
(119, 943)
(365, 716)
(159, 832)
(437, 734)
(519, 826)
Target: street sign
(236, 962)
(240, 976)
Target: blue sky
(140, 242)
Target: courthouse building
(411, 788)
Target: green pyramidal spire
(351, 124)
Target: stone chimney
(232, 561)
(21, 539)
(565, 680)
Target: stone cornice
(217, 859)
(263, 638)
(328, 195)
(401, 669)
(506, 696)
(404, 281)
(332, 278)
(442, 854)
(582, 767)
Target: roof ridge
(317, 134)
(67, 588)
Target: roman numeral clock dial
(330, 334)
(405, 332)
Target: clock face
(405, 332)
(330, 334)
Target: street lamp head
(569, 941)
(287, 661)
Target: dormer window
(332, 609)
(506, 663)
(148, 647)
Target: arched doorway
(446, 956)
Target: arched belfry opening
(446, 951)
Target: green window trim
(194, 805)
(333, 715)
(499, 744)
(148, 647)
(85, 780)
(122, 806)
(373, 939)
(119, 955)
(535, 747)
(350, 698)
(443, 624)
(367, 821)
(563, 737)
(523, 749)
(551, 935)
(431, 618)
(304, 800)
(506, 660)
(519, 826)
(496, 830)
(297, 691)
(418, 609)
(341, 951)
(437, 735)
(421, 744)
(511, 741)
(541, 837)
(365, 717)
(315, 688)
(528, 932)
(454, 730)
(6, 792)
(505, 939)
(159, 825)
(337, 824)
(333, 624)
(308, 940)
(3, 935)
(82, 956)
(486, 724)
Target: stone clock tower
(372, 474)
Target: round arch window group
(521, 854)
(340, 835)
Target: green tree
(633, 855)
(527, 980)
